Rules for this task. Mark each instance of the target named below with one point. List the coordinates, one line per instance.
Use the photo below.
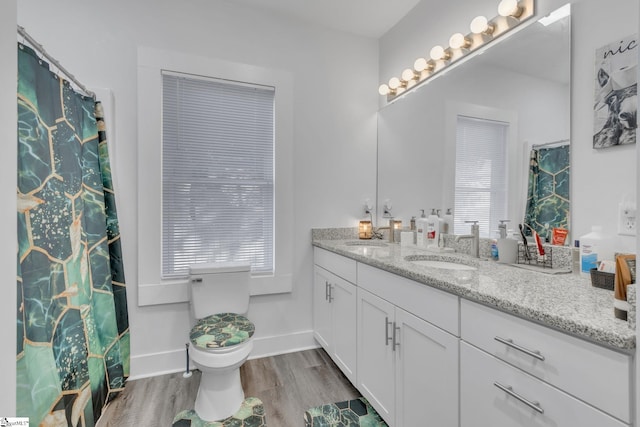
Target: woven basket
(603, 280)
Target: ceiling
(369, 18)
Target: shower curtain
(548, 193)
(72, 324)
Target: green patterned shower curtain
(548, 194)
(72, 324)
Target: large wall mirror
(522, 82)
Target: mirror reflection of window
(481, 188)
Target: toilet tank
(219, 287)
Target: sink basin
(441, 262)
(366, 244)
(444, 265)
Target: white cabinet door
(321, 307)
(375, 353)
(426, 373)
(495, 394)
(342, 296)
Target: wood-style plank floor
(287, 384)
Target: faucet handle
(475, 228)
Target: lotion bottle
(433, 229)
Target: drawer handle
(387, 338)
(509, 390)
(509, 342)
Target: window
(154, 285)
(217, 173)
(481, 184)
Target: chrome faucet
(390, 228)
(474, 236)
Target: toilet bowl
(222, 338)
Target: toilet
(222, 337)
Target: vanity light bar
(511, 13)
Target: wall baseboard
(168, 362)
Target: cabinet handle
(330, 289)
(396, 330)
(387, 338)
(509, 342)
(509, 390)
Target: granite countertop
(565, 302)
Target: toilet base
(220, 394)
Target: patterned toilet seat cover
(221, 330)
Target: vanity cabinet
(518, 373)
(424, 357)
(334, 309)
(407, 366)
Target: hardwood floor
(287, 384)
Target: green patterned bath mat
(351, 413)
(250, 414)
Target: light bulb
(420, 65)
(480, 25)
(394, 83)
(437, 52)
(458, 40)
(509, 8)
(384, 90)
(408, 75)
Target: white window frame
(152, 289)
(516, 168)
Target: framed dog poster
(616, 91)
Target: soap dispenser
(421, 230)
(507, 247)
(448, 222)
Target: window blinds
(481, 174)
(217, 173)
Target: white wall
(8, 173)
(334, 132)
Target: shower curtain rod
(551, 143)
(54, 61)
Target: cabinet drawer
(599, 376)
(483, 403)
(337, 264)
(433, 305)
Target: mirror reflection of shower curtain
(548, 202)
(72, 352)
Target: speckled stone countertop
(565, 302)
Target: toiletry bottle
(575, 257)
(594, 247)
(433, 232)
(448, 222)
(441, 225)
(494, 249)
(421, 229)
